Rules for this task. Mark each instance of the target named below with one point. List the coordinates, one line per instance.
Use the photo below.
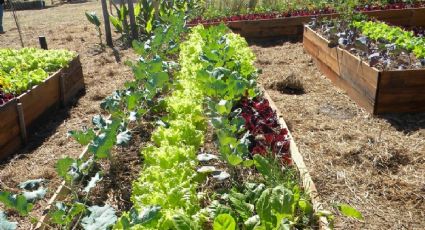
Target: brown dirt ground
(375, 164)
(65, 27)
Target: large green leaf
(263, 166)
(93, 19)
(234, 159)
(116, 23)
(63, 166)
(224, 222)
(349, 211)
(103, 144)
(99, 218)
(264, 208)
(16, 202)
(282, 201)
(244, 209)
(183, 222)
(6, 224)
(83, 137)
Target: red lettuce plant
(267, 134)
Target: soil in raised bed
(66, 27)
(375, 164)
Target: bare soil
(65, 27)
(376, 164)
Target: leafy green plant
(224, 222)
(94, 19)
(22, 69)
(379, 31)
(5, 224)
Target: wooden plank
(271, 32)
(359, 75)
(73, 80)
(270, 23)
(10, 147)
(10, 139)
(399, 17)
(9, 122)
(401, 91)
(418, 18)
(306, 178)
(341, 76)
(40, 98)
(320, 50)
(321, 42)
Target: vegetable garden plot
(268, 27)
(218, 157)
(36, 94)
(378, 91)
(243, 173)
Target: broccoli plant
(94, 19)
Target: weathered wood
(403, 91)
(22, 125)
(133, 25)
(10, 139)
(73, 80)
(40, 98)
(376, 91)
(108, 33)
(307, 181)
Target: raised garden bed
(377, 91)
(21, 113)
(292, 27)
(26, 5)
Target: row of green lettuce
(24, 68)
(216, 71)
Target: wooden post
(108, 33)
(132, 19)
(22, 123)
(43, 42)
(156, 7)
(110, 7)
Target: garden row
(219, 10)
(291, 26)
(215, 91)
(33, 82)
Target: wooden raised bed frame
(292, 27)
(379, 92)
(19, 115)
